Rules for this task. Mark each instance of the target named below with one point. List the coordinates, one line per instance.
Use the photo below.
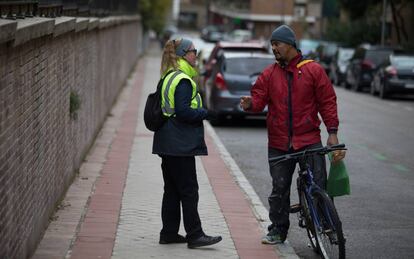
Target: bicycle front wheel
(328, 227)
(307, 222)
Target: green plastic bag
(338, 179)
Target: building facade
(259, 16)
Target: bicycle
(316, 210)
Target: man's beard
(279, 58)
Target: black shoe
(174, 240)
(204, 240)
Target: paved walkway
(112, 210)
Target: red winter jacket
(292, 119)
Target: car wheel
(347, 84)
(335, 80)
(383, 91)
(372, 89)
(218, 120)
(355, 85)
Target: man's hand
(337, 154)
(245, 102)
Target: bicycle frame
(317, 211)
(306, 174)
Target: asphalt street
(378, 216)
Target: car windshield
(330, 49)
(345, 54)
(308, 46)
(403, 61)
(377, 56)
(246, 65)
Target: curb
(284, 250)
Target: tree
(354, 32)
(153, 14)
(397, 6)
(358, 9)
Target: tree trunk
(402, 21)
(395, 19)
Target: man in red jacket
(295, 90)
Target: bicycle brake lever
(337, 146)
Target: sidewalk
(112, 210)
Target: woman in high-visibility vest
(178, 141)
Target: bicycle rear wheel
(308, 223)
(328, 227)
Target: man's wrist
(333, 131)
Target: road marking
(400, 167)
(383, 158)
(379, 156)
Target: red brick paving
(97, 233)
(244, 228)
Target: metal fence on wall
(20, 9)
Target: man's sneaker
(273, 238)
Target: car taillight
(219, 82)
(391, 71)
(367, 64)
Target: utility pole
(175, 11)
(384, 14)
(207, 12)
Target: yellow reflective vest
(168, 90)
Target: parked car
(212, 33)
(229, 46)
(308, 47)
(325, 52)
(166, 34)
(240, 35)
(340, 61)
(363, 64)
(394, 75)
(232, 76)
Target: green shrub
(74, 104)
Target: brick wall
(41, 147)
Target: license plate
(409, 85)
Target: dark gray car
(395, 75)
(232, 77)
(340, 61)
(363, 64)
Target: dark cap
(284, 34)
(184, 46)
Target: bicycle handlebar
(307, 152)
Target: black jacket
(183, 133)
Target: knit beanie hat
(284, 34)
(184, 46)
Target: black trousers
(180, 188)
(279, 199)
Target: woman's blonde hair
(169, 58)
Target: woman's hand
(245, 102)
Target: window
(299, 11)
